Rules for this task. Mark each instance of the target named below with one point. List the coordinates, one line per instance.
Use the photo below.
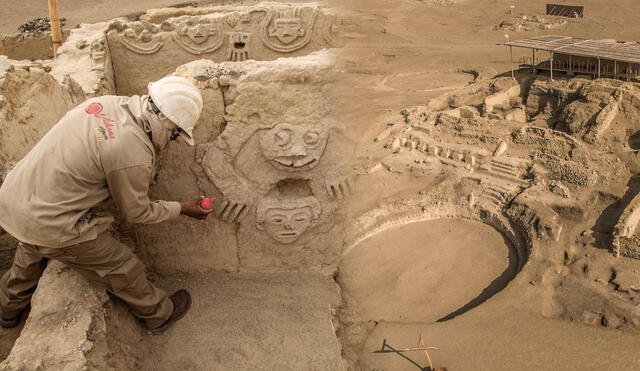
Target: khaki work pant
(104, 260)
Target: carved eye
(277, 220)
(300, 217)
(311, 137)
(282, 138)
(244, 37)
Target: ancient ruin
(369, 192)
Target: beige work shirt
(96, 151)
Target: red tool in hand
(206, 203)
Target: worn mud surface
(250, 322)
(424, 271)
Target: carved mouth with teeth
(239, 45)
(294, 161)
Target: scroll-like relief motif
(287, 30)
(141, 38)
(285, 219)
(329, 31)
(198, 36)
(239, 44)
(245, 161)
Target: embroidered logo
(93, 108)
(106, 129)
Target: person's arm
(129, 187)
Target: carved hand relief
(286, 219)
(141, 38)
(198, 36)
(239, 43)
(97, 51)
(286, 30)
(294, 148)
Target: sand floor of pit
(250, 322)
(426, 270)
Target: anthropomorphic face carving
(239, 46)
(199, 33)
(286, 219)
(290, 147)
(287, 29)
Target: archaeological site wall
(273, 162)
(268, 150)
(148, 49)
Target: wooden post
(628, 66)
(54, 18)
(1, 45)
(533, 63)
(511, 58)
(615, 69)
(551, 65)
(598, 67)
(570, 66)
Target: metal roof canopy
(624, 52)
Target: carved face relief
(198, 36)
(239, 46)
(199, 33)
(294, 148)
(285, 220)
(287, 29)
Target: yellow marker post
(54, 18)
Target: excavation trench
(263, 292)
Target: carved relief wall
(273, 171)
(144, 51)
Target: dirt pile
(36, 26)
(66, 327)
(31, 101)
(528, 23)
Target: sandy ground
(407, 52)
(250, 322)
(502, 335)
(424, 271)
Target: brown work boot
(181, 300)
(10, 322)
(15, 321)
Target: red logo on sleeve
(105, 130)
(93, 108)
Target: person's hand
(191, 208)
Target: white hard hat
(179, 100)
